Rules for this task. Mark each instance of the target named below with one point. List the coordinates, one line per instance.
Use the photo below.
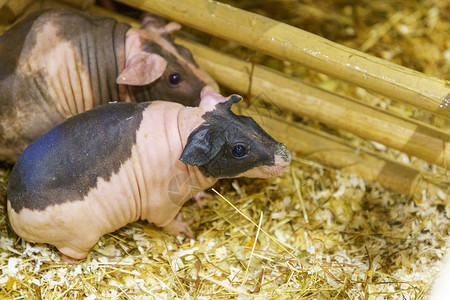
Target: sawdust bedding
(312, 233)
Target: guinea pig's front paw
(70, 260)
(200, 196)
(178, 226)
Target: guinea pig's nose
(284, 154)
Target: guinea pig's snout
(282, 160)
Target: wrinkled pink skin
(152, 185)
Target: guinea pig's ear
(151, 21)
(154, 23)
(232, 100)
(210, 99)
(202, 146)
(142, 68)
(172, 27)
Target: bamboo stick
(290, 43)
(81, 4)
(409, 136)
(10, 10)
(97, 10)
(42, 4)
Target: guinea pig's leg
(74, 253)
(177, 226)
(200, 196)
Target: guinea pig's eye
(175, 78)
(239, 151)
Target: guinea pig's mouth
(281, 162)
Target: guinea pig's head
(162, 69)
(230, 145)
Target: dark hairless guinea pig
(121, 162)
(58, 63)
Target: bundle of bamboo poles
(289, 43)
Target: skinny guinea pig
(120, 162)
(58, 63)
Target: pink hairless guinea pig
(121, 162)
(61, 62)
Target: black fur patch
(65, 164)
